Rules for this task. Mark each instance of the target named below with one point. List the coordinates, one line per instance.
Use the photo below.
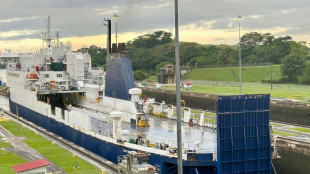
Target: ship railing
(43, 64)
(209, 121)
(14, 69)
(139, 107)
(28, 86)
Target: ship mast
(57, 38)
(48, 32)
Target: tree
(299, 48)
(268, 38)
(139, 75)
(305, 78)
(225, 56)
(189, 50)
(201, 61)
(292, 66)
(252, 39)
(283, 47)
(152, 39)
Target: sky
(80, 22)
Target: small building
(32, 167)
(166, 75)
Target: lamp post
(178, 94)
(240, 81)
(115, 17)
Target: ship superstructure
(103, 112)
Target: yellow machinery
(2, 115)
(162, 112)
(183, 104)
(143, 121)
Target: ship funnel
(114, 48)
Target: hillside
(249, 74)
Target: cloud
(17, 19)
(80, 18)
(12, 34)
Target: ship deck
(163, 130)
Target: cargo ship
(103, 112)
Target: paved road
(22, 149)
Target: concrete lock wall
(278, 112)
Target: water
(292, 162)
(3, 75)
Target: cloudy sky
(204, 21)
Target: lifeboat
(32, 76)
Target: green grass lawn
(211, 114)
(7, 160)
(221, 81)
(210, 120)
(54, 153)
(195, 111)
(152, 78)
(300, 129)
(301, 93)
(283, 133)
(249, 74)
(4, 144)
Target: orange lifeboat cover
(32, 76)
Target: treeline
(151, 51)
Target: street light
(178, 94)
(115, 17)
(240, 81)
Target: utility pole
(240, 79)
(17, 118)
(271, 77)
(178, 95)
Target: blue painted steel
(243, 135)
(119, 76)
(202, 162)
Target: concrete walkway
(281, 129)
(23, 150)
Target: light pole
(178, 94)
(115, 20)
(240, 81)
